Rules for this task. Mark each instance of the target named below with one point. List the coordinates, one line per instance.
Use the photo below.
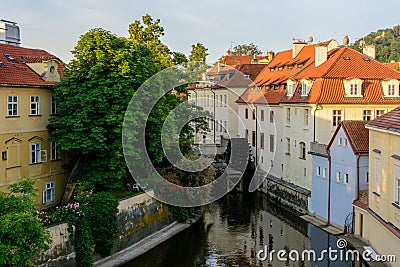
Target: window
(246, 113)
(304, 89)
(35, 153)
(271, 116)
(288, 146)
(220, 101)
(288, 115)
(337, 117)
(380, 112)
(254, 114)
(271, 143)
(367, 115)
(55, 151)
(345, 141)
(48, 194)
(338, 177)
(302, 147)
(398, 191)
(339, 142)
(253, 138)
(346, 178)
(262, 140)
(353, 89)
(12, 106)
(53, 105)
(324, 172)
(391, 90)
(377, 175)
(367, 177)
(225, 100)
(318, 171)
(34, 105)
(247, 134)
(305, 172)
(262, 115)
(306, 115)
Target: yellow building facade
(27, 79)
(377, 217)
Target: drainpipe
(358, 175)
(329, 185)
(194, 90)
(315, 119)
(212, 90)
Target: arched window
(302, 147)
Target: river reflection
(233, 230)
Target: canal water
(233, 231)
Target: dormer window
(300, 65)
(247, 77)
(271, 69)
(353, 87)
(291, 87)
(391, 88)
(306, 87)
(280, 68)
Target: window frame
(34, 100)
(35, 154)
(366, 116)
(337, 117)
(48, 194)
(302, 148)
(55, 151)
(14, 106)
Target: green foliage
(83, 243)
(198, 53)
(149, 32)
(92, 98)
(22, 235)
(103, 222)
(181, 214)
(386, 41)
(246, 50)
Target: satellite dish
(310, 39)
(346, 40)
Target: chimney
(297, 46)
(9, 33)
(369, 50)
(270, 55)
(321, 55)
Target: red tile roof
(344, 63)
(388, 121)
(239, 78)
(392, 64)
(357, 135)
(17, 72)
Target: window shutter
(44, 197)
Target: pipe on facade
(212, 90)
(358, 175)
(329, 185)
(315, 120)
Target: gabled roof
(342, 64)
(357, 135)
(17, 71)
(389, 121)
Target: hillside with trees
(386, 41)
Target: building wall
(296, 131)
(17, 133)
(381, 239)
(343, 161)
(319, 190)
(384, 175)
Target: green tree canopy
(386, 41)
(91, 100)
(22, 235)
(198, 53)
(246, 50)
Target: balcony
(318, 149)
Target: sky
(56, 25)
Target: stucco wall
(138, 217)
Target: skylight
(346, 58)
(10, 58)
(2, 65)
(366, 59)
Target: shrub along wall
(138, 217)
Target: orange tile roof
(357, 135)
(238, 79)
(279, 77)
(392, 64)
(388, 121)
(17, 72)
(344, 63)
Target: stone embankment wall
(138, 217)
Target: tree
(198, 53)
(246, 50)
(22, 235)
(386, 41)
(149, 33)
(92, 98)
